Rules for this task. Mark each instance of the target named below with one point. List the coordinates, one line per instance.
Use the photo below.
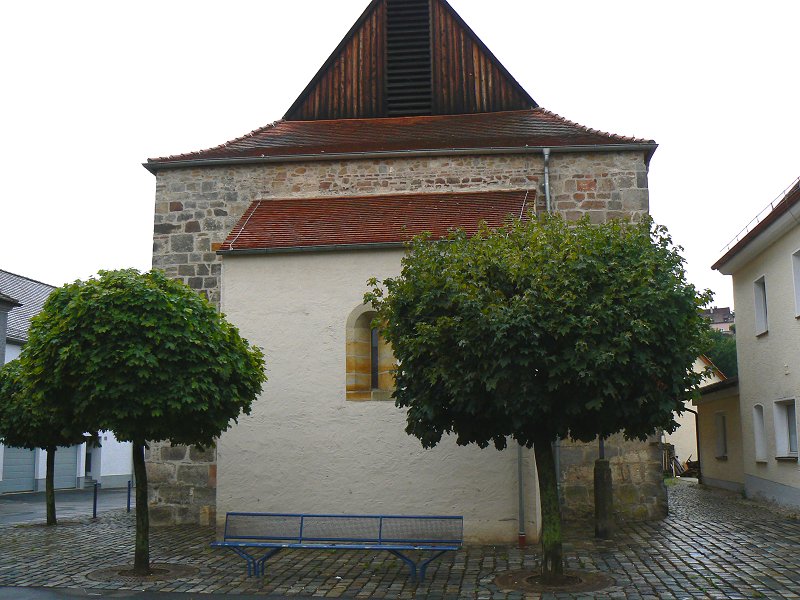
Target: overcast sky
(91, 89)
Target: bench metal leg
(423, 566)
(251, 561)
(412, 566)
(262, 562)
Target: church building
(410, 125)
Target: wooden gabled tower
(409, 58)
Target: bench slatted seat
(397, 534)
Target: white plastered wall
(305, 448)
(769, 364)
(117, 456)
(13, 350)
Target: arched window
(369, 360)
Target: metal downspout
(697, 441)
(520, 470)
(548, 204)
(521, 487)
(546, 154)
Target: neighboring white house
(762, 437)
(684, 438)
(23, 470)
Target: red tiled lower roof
(534, 128)
(297, 223)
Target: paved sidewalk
(70, 504)
(713, 545)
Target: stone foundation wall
(638, 483)
(195, 208)
(182, 483)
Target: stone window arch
(370, 362)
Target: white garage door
(18, 470)
(66, 468)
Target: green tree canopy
(721, 349)
(145, 357)
(26, 421)
(542, 329)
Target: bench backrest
(364, 529)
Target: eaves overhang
(7, 302)
(717, 391)
(774, 226)
(783, 216)
(317, 248)
(155, 166)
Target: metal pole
(94, 501)
(129, 495)
(521, 490)
(603, 494)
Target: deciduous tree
(722, 352)
(147, 358)
(28, 422)
(539, 330)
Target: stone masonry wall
(195, 208)
(638, 484)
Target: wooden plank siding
(465, 77)
(352, 84)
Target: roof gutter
(323, 248)
(719, 385)
(155, 166)
(774, 225)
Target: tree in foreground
(147, 358)
(27, 422)
(540, 330)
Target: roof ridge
(588, 129)
(28, 278)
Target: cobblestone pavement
(714, 545)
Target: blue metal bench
(394, 533)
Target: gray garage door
(66, 468)
(18, 470)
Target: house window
(796, 272)
(721, 435)
(760, 292)
(369, 359)
(785, 429)
(759, 433)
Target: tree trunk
(552, 558)
(141, 557)
(49, 486)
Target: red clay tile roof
(298, 223)
(790, 198)
(535, 128)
